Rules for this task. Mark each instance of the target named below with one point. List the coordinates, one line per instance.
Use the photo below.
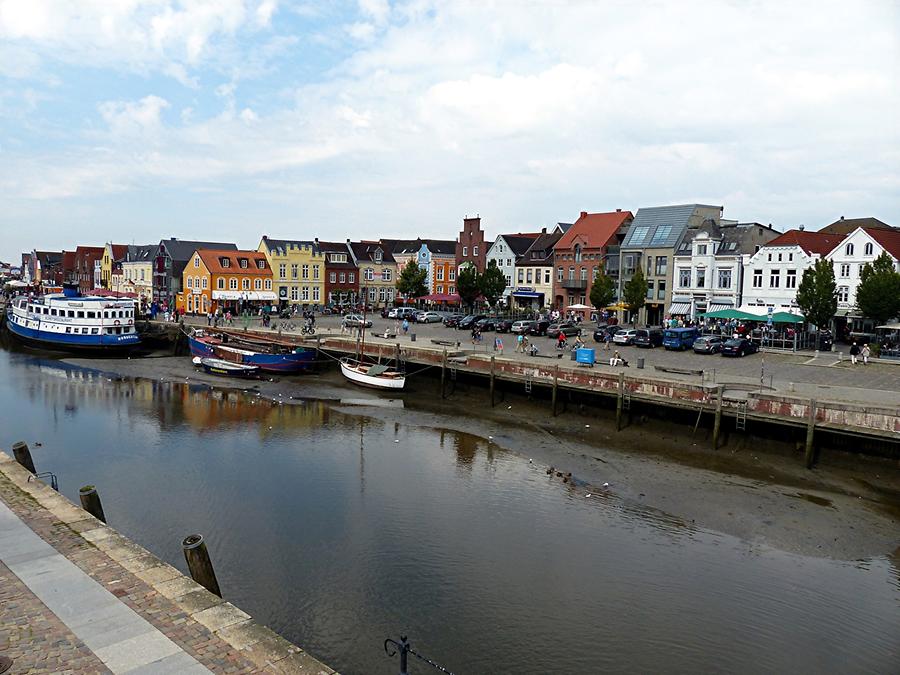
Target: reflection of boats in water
(374, 375)
(225, 368)
(268, 355)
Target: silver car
(625, 337)
(428, 317)
(355, 321)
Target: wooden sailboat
(375, 375)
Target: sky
(130, 121)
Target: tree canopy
(603, 290)
(817, 294)
(492, 283)
(468, 284)
(635, 293)
(878, 295)
(411, 281)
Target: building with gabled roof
(505, 251)
(534, 272)
(298, 271)
(377, 272)
(844, 226)
(171, 256)
(341, 274)
(226, 280)
(470, 246)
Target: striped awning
(716, 306)
(678, 308)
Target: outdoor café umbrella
(787, 317)
(578, 307)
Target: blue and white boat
(71, 321)
(268, 355)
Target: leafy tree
(878, 295)
(635, 293)
(411, 281)
(468, 284)
(492, 283)
(817, 294)
(603, 290)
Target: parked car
(567, 328)
(625, 336)
(486, 324)
(355, 321)
(680, 338)
(539, 327)
(403, 313)
(466, 322)
(504, 326)
(602, 331)
(739, 347)
(452, 319)
(428, 317)
(708, 344)
(648, 337)
(521, 327)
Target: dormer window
(378, 256)
(701, 249)
(243, 262)
(261, 264)
(225, 262)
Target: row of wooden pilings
(809, 450)
(195, 552)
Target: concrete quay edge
(255, 642)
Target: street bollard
(90, 502)
(199, 564)
(23, 455)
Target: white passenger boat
(72, 321)
(372, 374)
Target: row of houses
(694, 260)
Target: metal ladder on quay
(740, 422)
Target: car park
(504, 326)
(467, 321)
(452, 319)
(625, 336)
(355, 321)
(486, 324)
(680, 338)
(428, 317)
(539, 327)
(521, 327)
(708, 344)
(739, 347)
(602, 332)
(567, 328)
(403, 313)
(648, 337)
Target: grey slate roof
(442, 246)
(564, 227)
(519, 243)
(365, 251)
(659, 226)
(541, 250)
(282, 245)
(141, 253)
(737, 238)
(181, 250)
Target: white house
(506, 250)
(773, 273)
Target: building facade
(112, 253)
(441, 265)
(341, 274)
(590, 244)
(505, 251)
(137, 272)
(298, 270)
(534, 273)
(470, 247)
(377, 272)
(229, 280)
(171, 257)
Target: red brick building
(85, 256)
(470, 246)
(341, 273)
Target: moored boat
(373, 375)
(269, 356)
(225, 368)
(73, 322)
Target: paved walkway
(77, 597)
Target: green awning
(786, 317)
(733, 314)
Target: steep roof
(68, 260)
(336, 247)
(140, 253)
(182, 250)
(402, 246)
(888, 239)
(563, 227)
(281, 246)
(660, 226)
(365, 250)
(596, 228)
(846, 225)
(441, 246)
(118, 251)
(90, 250)
(520, 242)
(736, 238)
(213, 260)
(811, 242)
(541, 250)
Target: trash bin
(412, 337)
(640, 362)
(584, 355)
(572, 355)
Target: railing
(574, 284)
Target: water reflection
(339, 530)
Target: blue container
(584, 355)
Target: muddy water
(339, 530)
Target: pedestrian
(520, 343)
(607, 339)
(405, 325)
(498, 345)
(854, 353)
(866, 352)
(209, 318)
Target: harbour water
(339, 529)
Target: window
(661, 290)
(232, 284)
(386, 275)
(701, 249)
(508, 280)
(369, 274)
(770, 257)
(282, 271)
(382, 295)
(684, 278)
(197, 261)
(577, 252)
(337, 257)
(220, 283)
(305, 295)
(546, 277)
(315, 294)
(261, 264)
(332, 277)
(343, 277)
(724, 278)
(559, 274)
(639, 234)
(257, 284)
(869, 249)
(451, 290)
(295, 271)
(662, 263)
(245, 284)
(268, 284)
(190, 282)
(571, 274)
(440, 289)
(79, 315)
(315, 271)
(661, 235)
(790, 257)
(649, 265)
(790, 279)
(226, 263)
(650, 290)
(475, 251)
(521, 275)
(205, 282)
(440, 273)
(352, 277)
(378, 258)
(774, 278)
(779, 257)
(509, 262)
(701, 277)
(465, 251)
(844, 291)
(757, 278)
(295, 293)
(529, 275)
(848, 249)
(845, 270)
(452, 274)
(584, 273)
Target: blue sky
(131, 121)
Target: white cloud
(130, 118)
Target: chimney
(265, 237)
(317, 241)
(584, 214)
(543, 230)
(618, 210)
(842, 217)
(803, 227)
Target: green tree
(817, 294)
(603, 290)
(492, 283)
(635, 294)
(411, 281)
(468, 284)
(878, 295)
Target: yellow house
(298, 270)
(111, 254)
(137, 271)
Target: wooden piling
(90, 502)
(555, 388)
(492, 381)
(199, 564)
(620, 401)
(23, 455)
(443, 373)
(717, 424)
(810, 454)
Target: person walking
(498, 345)
(405, 325)
(854, 353)
(866, 352)
(520, 344)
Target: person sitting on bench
(617, 360)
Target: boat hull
(293, 362)
(55, 341)
(225, 369)
(352, 373)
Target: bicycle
(308, 330)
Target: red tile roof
(811, 242)
(597, 228)
(213, 261)
(119, 251)
(888, 239)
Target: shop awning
(452, 298)
(528, 294)
(785, 317)
(732, 313)
(252, 296)
(677, 308)
(716, 306)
